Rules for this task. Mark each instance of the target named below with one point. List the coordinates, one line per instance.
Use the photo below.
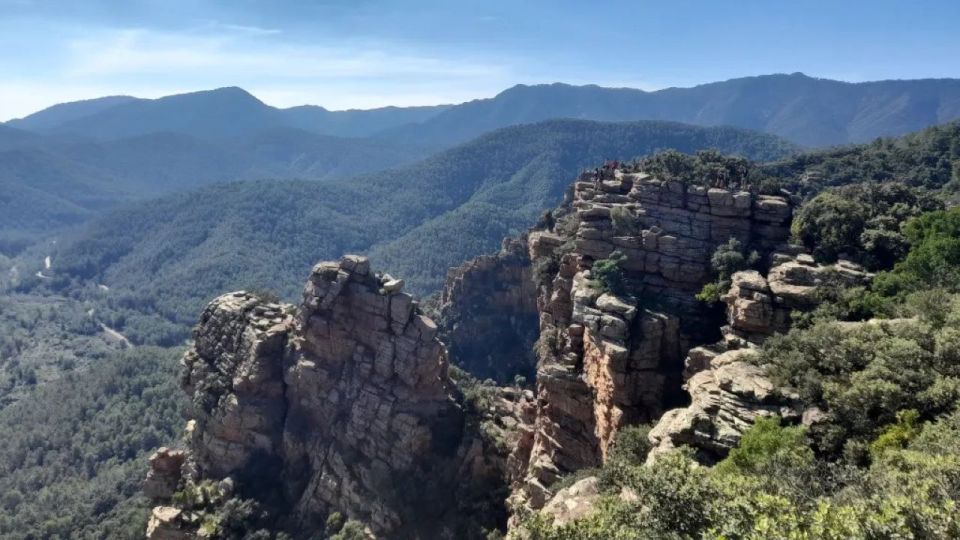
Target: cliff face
(728, 390)
(612, 358)
(341, 405)
(345, 404)
(488, 314)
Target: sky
(370, 53)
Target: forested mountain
(67, 163)
(52, 182)
(53, 117)
(174, 253)
(213, 114)
(806, 110)
(802, 109)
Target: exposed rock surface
(163, 478)
(726, 399)
(607, 360)
(758, 306)
(341, 405)
(728, 391)
(488, 314)
(164, 524)
(574, 502)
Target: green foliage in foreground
(727, 260)
(883, 462)
(862, 222)
(73, 454)
(772, 487)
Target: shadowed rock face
(342, 405)
(488, 314)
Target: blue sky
(369, 53)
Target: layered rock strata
(728, 390)
(342, 405)
(608, 359)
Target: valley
(521, 326)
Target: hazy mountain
(356, 122)
(213, 114)
(57, 115)
(175, 253)
(49, 183)
(41, 192)
(805, 110)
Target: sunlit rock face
(342, 404)
(611, 358)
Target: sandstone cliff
(613, 358)
(727, 389)
(343, 404)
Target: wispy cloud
(282, 71)
(141, 51)
(242, 29)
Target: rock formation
(728, 391)
(344, 404)
(614, 358)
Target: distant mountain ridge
(806, 110)
(418, 220)
(217, 114)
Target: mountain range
(63, 165)
(174, 252)
(805, 110)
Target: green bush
(608, 274)
(861, 221)
(631, 445)
(898, 435)
(767, 447)
(727, 259)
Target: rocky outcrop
(612, 358)
(344, 404)
(758, 306)
(727, 397)
(165, 524)
(488, 314)
(163, 477)
(728, 390)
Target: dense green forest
(169, 256)
(928, 159)
(43, 337)
(73, 453)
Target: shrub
(631, 445)
(727, 259)
(624, 222)
(608, 274)
(767, 447)
(897, 435)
